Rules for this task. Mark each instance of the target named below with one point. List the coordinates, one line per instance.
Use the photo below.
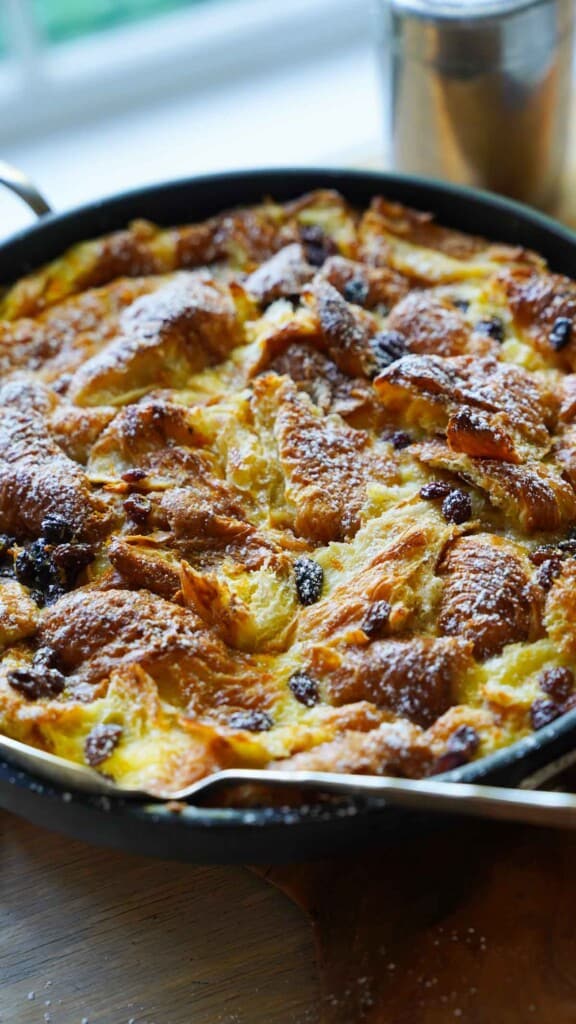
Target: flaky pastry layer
(293, 486)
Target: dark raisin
(558, 683)
(435, 489)
(138, 507)
(53, 593)
(461, 304)
(542, 553)
(464, 740)
(493, 327)
(448, 762)
(376, 618)
(56, 530)
(400, 439)
(72, 558)
(457, 507)
(387, 347)
(252, 721)
(6, 543)
(134, 476)
(38, 597)
(548, 571)
(317, 244)
(561, 333)
(543, 712)
(460, 748)
(62, 383)
(101, 743)
(304, 688)
(36, 682)
(309, 580)
(355, 290)
(567, 547)
(24, 568)
(6, 558)
(51, 571)
(34, 566)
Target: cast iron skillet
(267, 835)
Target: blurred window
(62, 61)
(61, 20)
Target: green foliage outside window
(61, 20)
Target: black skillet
(226, 836)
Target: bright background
(101, 95)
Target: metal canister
(478, 91)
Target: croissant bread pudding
(294, 486)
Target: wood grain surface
(89, 935)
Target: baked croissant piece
(293, 486)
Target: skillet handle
(18, 183)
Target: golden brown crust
(488, 595)
(433, 325)
(413, 678)
(515, 404)
(536, 301)
(532, 497)
(326, 467)
(294, 485)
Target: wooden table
(476, 925)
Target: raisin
(561, 333)
(35, 682)
(460, 748)
(62, 383)
(548, 571)
(355, 290)
(464, 740)
(6, 543)
(6, 559)
(138, 507)
(134, 476)
(543, 553)
(493, 327)
(34, 566)
(457, 507)
(558, 683)
(72, 558)
(400, 439)
(447, 762)
(304, 688)
(252, 721)
(387, 347)
(435, 489)
(567, 547)
(543, 712)
(56, 530)
(376, 618)
(53, 593)
(51, 571)
(317, 244)
(309, 580)
(101, 742)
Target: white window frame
(43, 86)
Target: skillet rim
(55, 232)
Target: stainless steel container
(478, 91)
